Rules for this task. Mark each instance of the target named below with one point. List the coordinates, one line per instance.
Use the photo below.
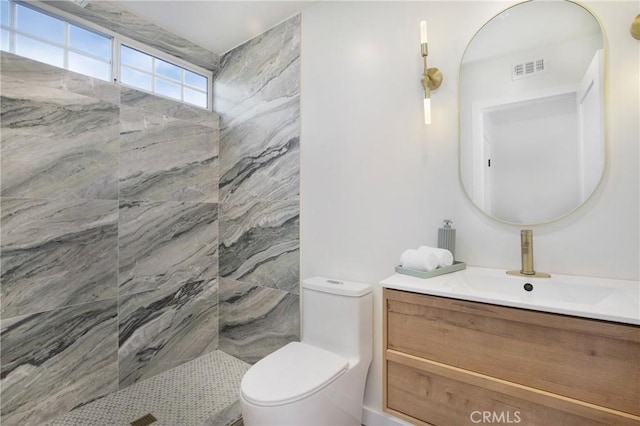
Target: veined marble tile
(256, 67)
(18, 70)
(166, 159)
(258, 99)
(260, 243)
(255, 321)
(57, 253)
(58, 144)
(147, 32)
(163, 328)
(103, 13)
(57, 360)
(261, 157)
(166, 244)
(113, 16)
(167, 107)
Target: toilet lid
(291, 373)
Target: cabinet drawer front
(589, 360)
(440, 395)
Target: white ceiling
(218, 26)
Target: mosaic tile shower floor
(202, 392)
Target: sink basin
(588, 297)
(552, 289)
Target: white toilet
(320, 380)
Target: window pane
(4, 40)
(89, 42)
(195, 80)
(168, 70)
(39, 24)
(166, 88)
(4, 12)
(89, 66)
(195, 98)
(39, 51)
(135, 59)
(135, 78)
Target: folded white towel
(444, 256)
(413, 259)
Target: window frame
(66, 47)
(156, 54)
(116, 41)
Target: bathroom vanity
(460, 352)
(479, 346)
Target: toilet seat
(291, 373)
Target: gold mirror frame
(605, 120)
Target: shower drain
(145, 420)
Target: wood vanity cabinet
(454, 362)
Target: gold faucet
(526, 253)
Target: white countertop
(587, 297)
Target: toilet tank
(337, 315)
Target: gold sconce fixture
(635, 28)
(431, 77)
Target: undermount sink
(588, 297)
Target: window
(146, 72)
(36, 35)
(46, 37)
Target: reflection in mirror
(532, 145)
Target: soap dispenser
(447, 237)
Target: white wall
(375, 180)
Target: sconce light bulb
(427, 111)
(423, 32)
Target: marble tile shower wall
(257, 95)
(109, 238)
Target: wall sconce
(431, 77)
(635, 28)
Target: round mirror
(532, 144)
